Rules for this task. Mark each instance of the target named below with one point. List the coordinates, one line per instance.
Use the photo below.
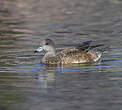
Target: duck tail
(102, 48)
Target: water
(26, 84)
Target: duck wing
(84, 46)
(89, 45)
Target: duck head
(48, 46)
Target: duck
(82, 53)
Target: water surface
(27, 84)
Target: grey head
(48, 46)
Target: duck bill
(38, 50)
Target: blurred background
(27, 84)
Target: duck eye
(46, 43)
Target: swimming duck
(82, 53)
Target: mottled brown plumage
(69, 56)
(81, 54)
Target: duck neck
(49, 54)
